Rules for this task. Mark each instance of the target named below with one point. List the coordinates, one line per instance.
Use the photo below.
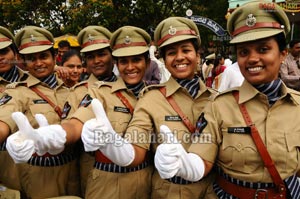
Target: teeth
(181, 65)
(255, 69)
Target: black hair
(293, 42)
(13, 48)
(67, 55)
(219, 57)
(64, 43)
(281, 41)
(162, 51)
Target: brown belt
(247, 193)
(100, 157)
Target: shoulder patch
(150, 87)
(87, 99)
(4, 99)
(66, 110)
(200, 125)
(98, 84)
(14, 85)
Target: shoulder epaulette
(150, 87)
(15, 84)
(98, 84)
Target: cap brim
(5, 44)
(35, 49)
(93, 47)
(177, 39)
(255, 35)
(130, 51)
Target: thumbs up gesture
(98, 134)
(20, 145)
(94, 131)
(171, 159)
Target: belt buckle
(264, 191)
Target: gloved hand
(20, 145)
(26, 141)
(52, 138)
(171, 159)
(98, 133)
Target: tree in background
(70, 16)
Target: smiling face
(7, 59)
(74, 65)
(259, 61)
(132, 68)
(181, 59)
(40, 64)
(99, 62)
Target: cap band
(180, 32)
(36, 43)
(123, 45)
(97, 41)
(257, 25)
(4, 39)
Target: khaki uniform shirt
(116, 111)
(227, 142)
(23, 99)
(153, 110)
(4, 83)
(77, 93)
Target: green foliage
(70, 16)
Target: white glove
(47, 138)
(98, 133)
(52, 138)
(171, 159)
(20, 145)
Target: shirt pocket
(238, 152)
(293, 150)
(119, 121)
(47, 110)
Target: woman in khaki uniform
(9, 73)
(111, 177)
(94, 42)
(179, 40)
(130, 47)
(253, 137)
(45, 174)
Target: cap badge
(32, 38)
(127, 40)
(172, 31)
(91, 38)
(251, 20)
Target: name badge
(239, 130)
(172, 118)
(121, 109)
(40, 101)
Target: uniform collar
(172, 86)
(33, 81)
(247, 92)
